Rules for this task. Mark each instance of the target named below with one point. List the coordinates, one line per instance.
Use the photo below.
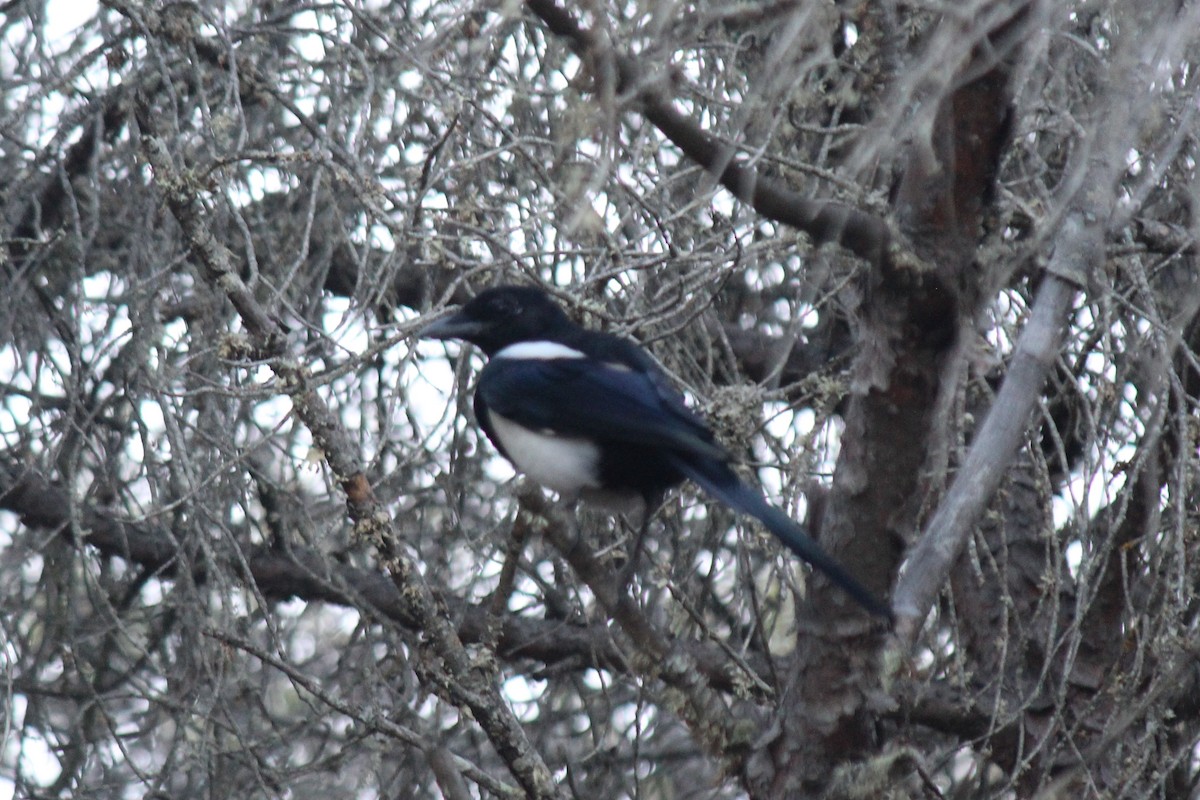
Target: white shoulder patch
(540, 350)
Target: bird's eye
(507, 308)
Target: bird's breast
(565, 464)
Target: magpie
(592, 416)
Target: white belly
(562, 463)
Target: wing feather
(585, 397)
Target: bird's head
(496, 318)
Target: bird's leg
(570, 503)
(518, 538)
(649, 505)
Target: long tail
(722, 483)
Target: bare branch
(466, 685)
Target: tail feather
(723, 484)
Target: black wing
(599, 400)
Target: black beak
(455, 326)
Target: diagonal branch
(1004, 430)
(865, 235)
(1088, 192)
